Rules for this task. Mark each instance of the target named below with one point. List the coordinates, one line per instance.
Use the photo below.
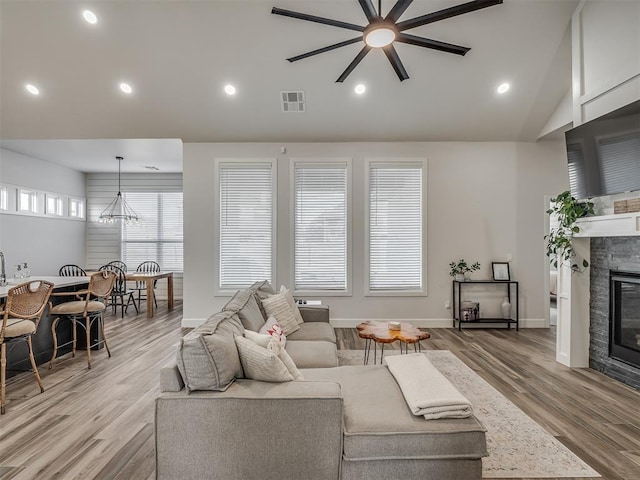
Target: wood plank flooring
(98, 423)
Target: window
(4, 199)
(577, 180)
(320, 217)
(54, 205)
(158, 236)
(395, 242)
(245, 221)
(76, 208)
(28, 201)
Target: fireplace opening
(624, 332)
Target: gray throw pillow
(245, 305)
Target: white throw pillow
(292, 303)
(277, 306)
(260, 363)
(273, 328)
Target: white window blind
(320, 226)
(395, 227)
(620, 162)
(158, 236)
(246, 224)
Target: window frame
(244, 163)
(395, 163)
(159, 243)
(4, 198)
(319, 163)
(79, 202)
(59, 205)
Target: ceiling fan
(383, 32)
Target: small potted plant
(459, 268)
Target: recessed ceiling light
(229, 89)
(90, 17)
(126, 88)
(360, 89)
(32, 89)
(503, 88)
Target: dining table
(149, 278)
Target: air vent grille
(292, 101)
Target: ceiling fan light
(380, 36)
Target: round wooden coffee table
(379, 333)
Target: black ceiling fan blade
(325, 49)
(446, 13)
(395, 61)
(398, 9)
(433, 44)
(361, 54)
(313, 18)
(368, 9)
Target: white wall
(484, 201)
(44, 243)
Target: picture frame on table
(500, 272)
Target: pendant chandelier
(118, 209)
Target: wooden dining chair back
(119, 264)
(147, 267)
(71, 271)
(85, 310)
(120, 289)
(20, 317)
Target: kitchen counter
(59, 282)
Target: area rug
(518, 446)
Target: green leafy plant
(559, 247)
(461, 267)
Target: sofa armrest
(253, 430)
(170, 378)
(314, 313)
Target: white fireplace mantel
(572, 340)
(619, 225)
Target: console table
(456, 305)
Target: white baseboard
(418, 322)
(192, 322)
(436, 322)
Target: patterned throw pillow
(292, 303)
(273, 328)
(277, 306)
(260, 363)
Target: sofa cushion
(378, 423)
(278, 307)
(259, 363)
(314, 331)
(308, 354)
(207, 356)
(262, 290)
(274, 345)
(245, 305)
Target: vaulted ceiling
(178, 55)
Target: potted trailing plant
(567, 210)
(459, 268)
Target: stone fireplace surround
(609, 253)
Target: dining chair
(120, 289)
(71, 271)
(20, 317)
(85, 311)
(119, 264)
(147, 267)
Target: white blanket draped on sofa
(426, 390)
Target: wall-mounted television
(604, 154)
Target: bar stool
(21, 315)
(84, 312)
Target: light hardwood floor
(98, 423)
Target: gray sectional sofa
(349, 422)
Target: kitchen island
(17, 358)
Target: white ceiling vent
(292, 101)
